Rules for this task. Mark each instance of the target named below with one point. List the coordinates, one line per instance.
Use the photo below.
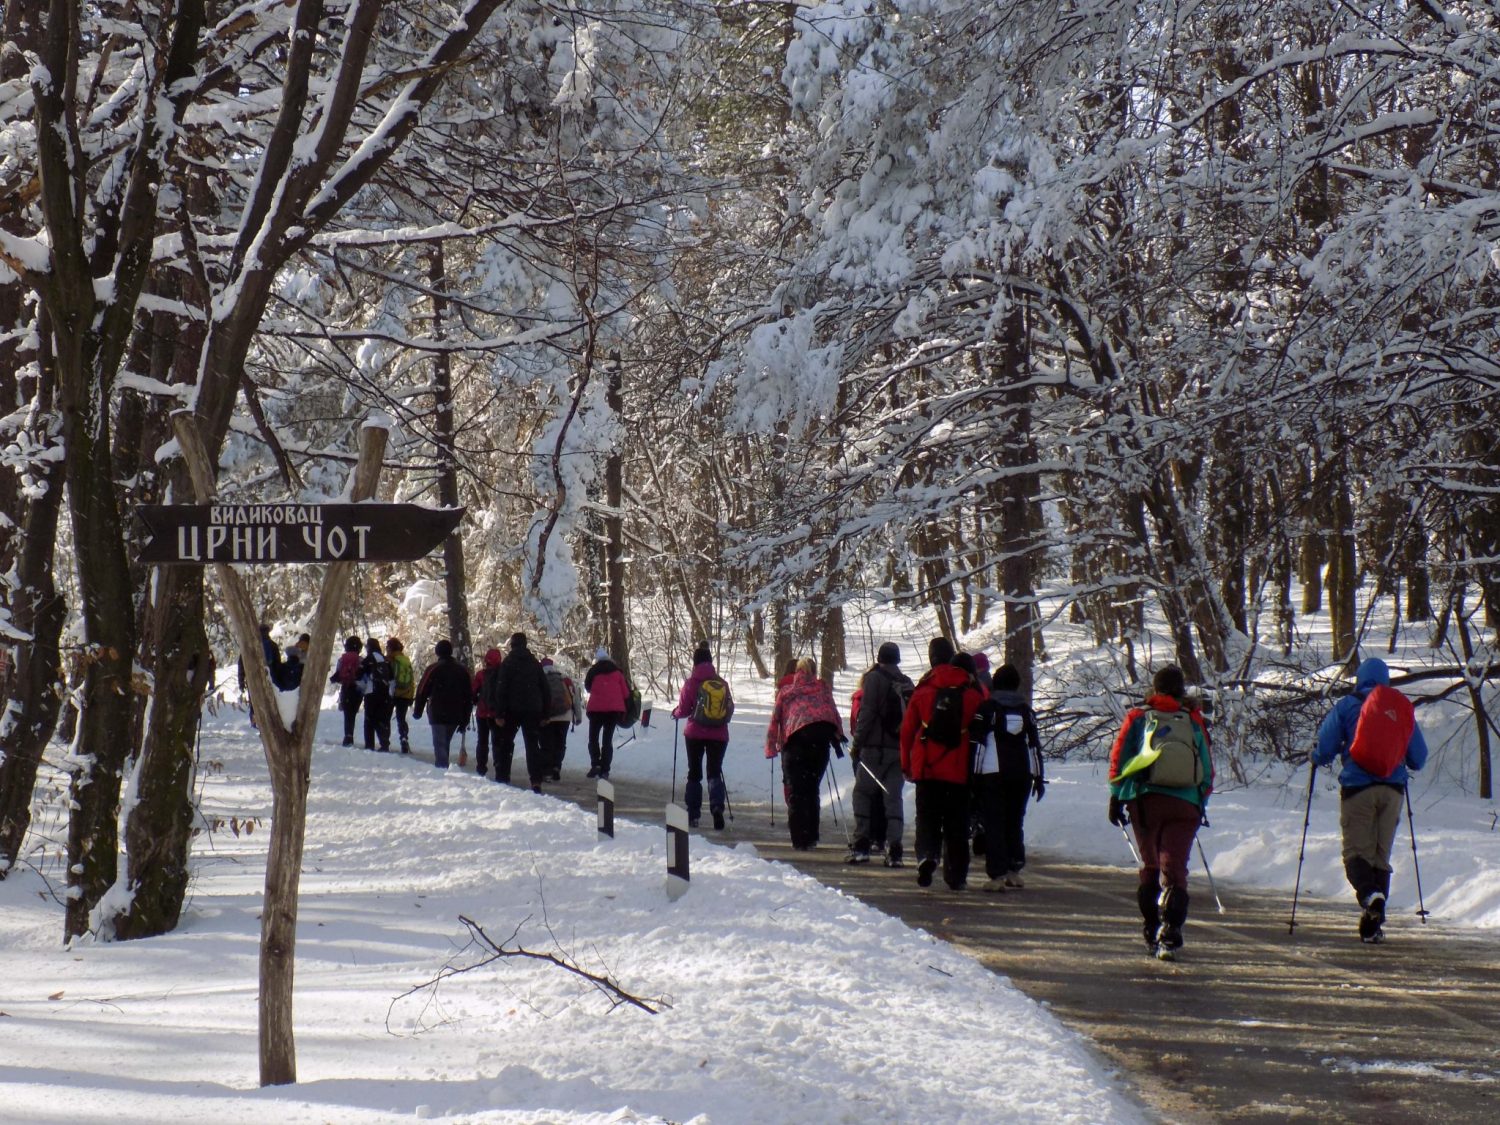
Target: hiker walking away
(884, 692)
(518, 697)
(1161, 775)
(375, 681)
(564, 708)
(805, 722)
(403, 688)
(707, 704)
(346, 676)
(447, 697)
(293, 665)
(1374, 732)
(272, 653)
(1007, 773)
(936, 757)
(609, 695)
(486, 730)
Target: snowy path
(1250, 1025)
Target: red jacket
(922, 760)
(492, 659)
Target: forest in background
(718, 317)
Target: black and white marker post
(677, 851)
(606, 791)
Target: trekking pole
(772, 762)
(1422, 910)
(875, 779)
(1129, 843)
(1214, 890)
(1312, 777)
(839, 819)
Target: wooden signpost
(220, 535)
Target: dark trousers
(484, 733)
(803, 760)
(692, 794)
(1001, 804)
(1165, 828)
(505, 749)
(349, 700)
(554, 746)
(378, 710)
(402, 707)
(943, 828)
(602, 726)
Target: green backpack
(1169, 756)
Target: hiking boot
(719, 819)
(924, 872)
(1374, 937)
(893, 856)
(593, 772)
(963, 886)
(1168, 939)
(692, 822)
(996, 885)
(1014, 880)
(1375, 908)
(858, 854)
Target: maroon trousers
(1165, 828)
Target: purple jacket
(804, 701)
(687, 703)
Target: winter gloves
(1038, 788)
(1119, 815)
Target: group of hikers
(967, 739)
(969, 743)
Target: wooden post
(288, 752)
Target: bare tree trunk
(456, 586)
(1343, 574)
(614, 527)
(288, 752)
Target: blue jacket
(1337, 732)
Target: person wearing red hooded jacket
(804, 723)
(936, 758)
(484, 719)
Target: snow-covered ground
(788, 1001)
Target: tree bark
(614, 527)
(455, 581)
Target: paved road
(1250, 1025)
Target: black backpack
(1012, 753)
(945, 725)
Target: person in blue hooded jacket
(1369, 807)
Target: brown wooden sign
(196, 534)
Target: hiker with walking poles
(805, 722)
(875, 722)
(707, 704)
(1160, 778)
(609, 696)
(1374, 733)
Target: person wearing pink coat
(804, 723)
(706, 739)
(609, 695)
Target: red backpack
(1386, 722)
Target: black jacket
(885, 692)
(517, 692)
(446, 693)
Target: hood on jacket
(1372, 673)
(949, 675)
(492, 658)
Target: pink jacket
(609, 692)
(806, 700)
(687, 703)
